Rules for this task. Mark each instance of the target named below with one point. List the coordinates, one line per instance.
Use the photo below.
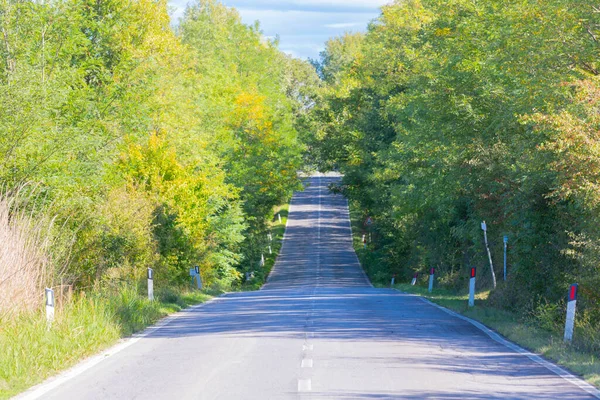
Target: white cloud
(310, 5)
(303, 26)
(343, 25)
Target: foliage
(84, 326)
(446, 114)
(154, 147)
(540, 335)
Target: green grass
(540, 341)
(277, 231)
(31, 351)
(523, 331)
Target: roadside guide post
(270, 237)
(150, 284)
(431, 277)
(49, 306)
(414, 279)
(279, 216)
(571, 305)
(472, 287)
(393, 280)
(368, 223)
(505, 246)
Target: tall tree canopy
(156, 147)
(446, 114)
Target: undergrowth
(277, 231)
(539, 331)
(32, 350)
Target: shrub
(28, 257)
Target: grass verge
(514, 327)
(540, 341)
(277, 232)
(31, 351)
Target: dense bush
(153, 146)
(446, 114)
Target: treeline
(146, 143)
(449, 113)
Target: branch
(592, 34)
(10, 63)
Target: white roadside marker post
(262, 260)
(414, 279)
(270, 237)
(472, 287)
(393, 280)
(571, 305)
(364, 239)
(431, 276)
(279, 216)
(270, 250)
(505, 246)
(150, 284)
(49, 306)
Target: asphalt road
(317, 330)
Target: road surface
(317, 330)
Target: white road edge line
(352, 245)
(318, 238)
(49, 384)
(306, 363)
(569, 377)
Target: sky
(303, 26)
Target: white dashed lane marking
(307, 363)
(304, 385)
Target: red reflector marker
(573, 292)
(473, 272)
(432, 271)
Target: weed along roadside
(523, 331)
(258, 272)
(125, 164)
(72, 327)
(545, 337)
(33, 350)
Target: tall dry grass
(27, 264)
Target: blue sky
(303, 26)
